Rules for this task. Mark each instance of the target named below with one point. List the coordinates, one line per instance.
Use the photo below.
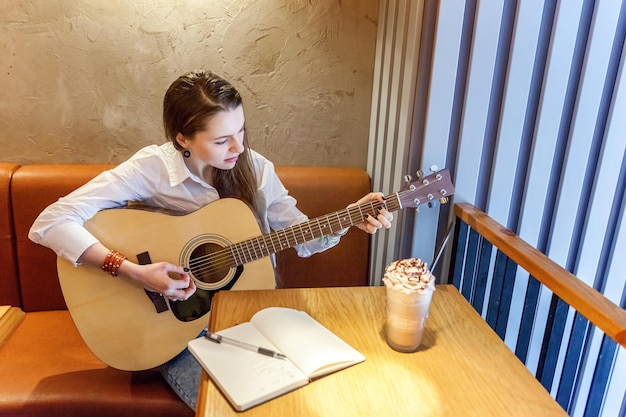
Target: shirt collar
(176, 168)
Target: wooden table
(10, 318)
(462, 367)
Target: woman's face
(220, 143)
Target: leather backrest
(318, 190)
(33, 188)
(9, 287)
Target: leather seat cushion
(48, 370)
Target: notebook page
(311, 346)
(246, 378)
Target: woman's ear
(182, 141)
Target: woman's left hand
(371, 223)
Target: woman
(207, 158)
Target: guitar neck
(329, 224)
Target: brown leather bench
(9, 290)
(46, 368)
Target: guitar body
(118, 320)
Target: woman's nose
(236, 144)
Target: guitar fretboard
(258, 247)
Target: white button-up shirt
(157, 176)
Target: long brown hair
(188, 104)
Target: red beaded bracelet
(112, 262)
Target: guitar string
(226, 258)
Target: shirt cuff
(70, 248)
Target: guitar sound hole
(211, 271)
(205, 270)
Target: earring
(186, 153)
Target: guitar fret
(361, 214)
(310, 236)
(272, 241)
(247, 249)
(339, 220)
(256, 247)
(253, 252)
(328, 226)
(233, 253)
(302, 233)
(398, 202)
(245, 253)
(248, 253)
(280, 244)
(295, 238)
(260, 244)
(350, 217)
(267, 249)
(288, 241)
(319, 227)
(242, 254)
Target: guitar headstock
(429, 189)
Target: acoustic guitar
(130, 328)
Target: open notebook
(248, 378)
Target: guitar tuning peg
(419, 174)
(444, 200)
(407, 178)
(433, 168)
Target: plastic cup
(406, 318)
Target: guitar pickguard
(199, 303)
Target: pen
(218, 338)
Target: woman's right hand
(157, 277)
(173, 281)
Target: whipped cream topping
(409, 275)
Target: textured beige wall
(83, 81)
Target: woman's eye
(221, 142)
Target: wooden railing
(598, 309)
(487, 278)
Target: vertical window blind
(525, 102)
